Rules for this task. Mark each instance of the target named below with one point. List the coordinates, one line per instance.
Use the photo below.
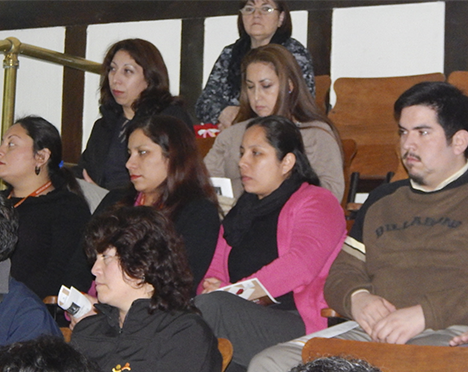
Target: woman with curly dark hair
(134, 83)
(146, 320)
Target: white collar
(444, 183)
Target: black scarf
(249, 207)
(239, 50)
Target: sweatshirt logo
(417, 221)
(119, 368)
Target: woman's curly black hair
(148, 249)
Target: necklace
(40, 190)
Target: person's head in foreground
(271, 152)
(44, 354)
(336, 364)
(433, 127)
(137, 256)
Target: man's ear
(42, 157)
(288, 163)
(460, 141)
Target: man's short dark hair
(44, 354)
(449, 103)
(336, 364)
(8, 228)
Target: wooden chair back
(364, 112)
(389, 357)
(349, 152)
(322, 90)
(226, 350)
(460, 80)
(204, 144)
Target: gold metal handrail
(12, 47)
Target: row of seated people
(400, 273)
(284, 230)
(135, 83)
(281, 187)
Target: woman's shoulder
(317, 129)
(60, 197)
(294, 45)
(200, 206)
(308, 193)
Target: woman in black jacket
(134, 83)
(146, 320)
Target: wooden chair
(389, 357)
(364, 112)
(51, 303)
(204, 145)
(349, 152)
(322, 90)
(460, 80)
(226, 350)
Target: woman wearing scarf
(285, 231)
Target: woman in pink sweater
(285, 230)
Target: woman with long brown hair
(167, 172)
(272, 84)
(134, 83)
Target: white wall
(366, 41)
(388, 40)
(39, 84)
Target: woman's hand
(74, 321)
(87, 178)
(210, 285)
(227, 116)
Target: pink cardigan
(311, 231)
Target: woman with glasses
(260, 22)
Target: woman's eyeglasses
(265, 10)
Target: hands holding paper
(74, 320)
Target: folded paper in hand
(252, 290)
(73, 301)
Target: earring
(37, 170)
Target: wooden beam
(16, 15)
(319, 39)
(456, 36)
(72, 96)
(191, 62)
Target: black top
(162, 342)
(97, 157)
(198, 225)
(50, 233)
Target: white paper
(223, 186)
(73, 301)
(246, 289)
